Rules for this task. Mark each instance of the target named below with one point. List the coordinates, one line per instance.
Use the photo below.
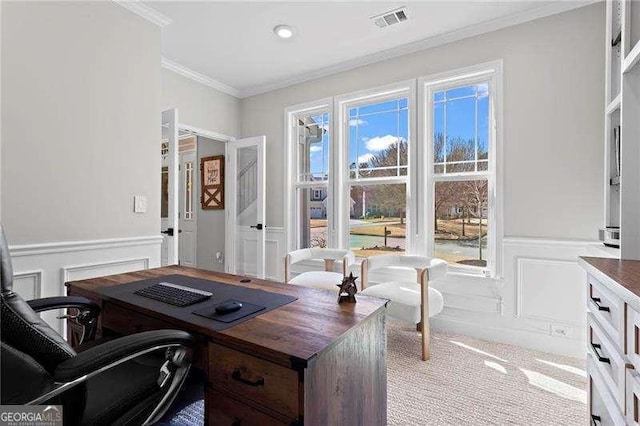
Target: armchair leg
(426, 343)
(423, 276)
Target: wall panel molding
(92, 270)
(538, 284)
(41, 270)
(69, 246)
(28, 284)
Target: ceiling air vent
(389, 18)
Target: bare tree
(475, 198)
(391, 198)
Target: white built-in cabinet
(622, 123)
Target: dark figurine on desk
(348, 289)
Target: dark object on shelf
(616, 41)
(616, 147)
(348, 289)
(611, 236)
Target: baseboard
(513, 336)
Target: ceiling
(232, 44)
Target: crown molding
(200, 78)
(428, 43)
(146, 12)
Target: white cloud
(380, 143)
(357, 122)
(315, 148)
(364, 158)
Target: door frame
(170, 116)
(182, 178)
(218, 137)
(230, 190)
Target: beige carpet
(468, 381)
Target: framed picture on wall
(212, 182)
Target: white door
(169, 198)
(187, 214)
(245, 189)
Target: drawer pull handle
(236, 375)
(597, 301)
(596, 347)
(595, 419)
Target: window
(460, 183)
(369, 185)
(188, 190)
(378, 168)
(312, 136)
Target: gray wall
(199, 105)
(80, 121)
(211, 223)
(553, 126)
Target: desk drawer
(633, 337)
(223, 410)
(607, 360)
(633, 397)
(608, 309)
(252, 378)
(126, 321)
(603, 409)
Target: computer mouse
(228, 307)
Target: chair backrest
(419, 263)
(330, 256)
(21, 327)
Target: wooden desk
(310, 362)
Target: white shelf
(631, 60)
(614, 105)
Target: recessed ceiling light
(283, 31)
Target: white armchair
(412, 302)
(326, 279)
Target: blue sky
(378, 126)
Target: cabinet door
(603, 409)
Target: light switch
(139, 204)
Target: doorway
(184, 235)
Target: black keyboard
(173, 294)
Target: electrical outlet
(559, 330)
(220, 257)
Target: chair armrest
(114, 352)
(49, 303)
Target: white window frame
(342, 104)
(492, 72)
(292, 221)
(420, 179)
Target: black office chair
(130, 380)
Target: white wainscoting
(274, 252)
(538, 303)
(40, 270)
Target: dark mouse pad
(247, 309)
